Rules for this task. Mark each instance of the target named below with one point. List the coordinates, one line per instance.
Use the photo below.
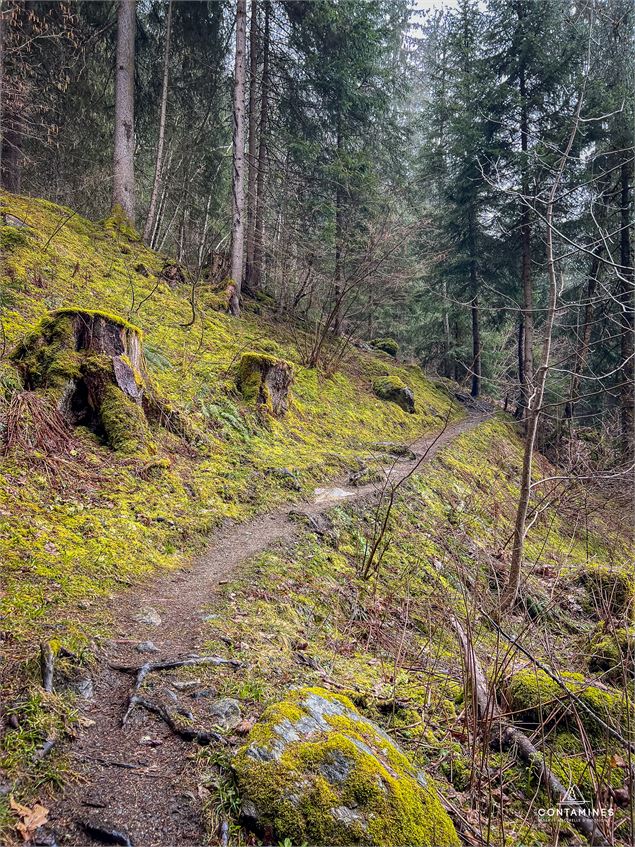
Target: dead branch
(510, 737)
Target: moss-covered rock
(613, 653)
(315, 770)
(386, 345)
(611, 590)
(393, 389)
(265, 381)
(535, 698)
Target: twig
(47, 666)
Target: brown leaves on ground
(30, 819)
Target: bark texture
(238, 171)
(123, 189)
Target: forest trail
(138, 781)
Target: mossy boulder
(89, 364)
(394, 390)
(315, 770)
(611, 590)
(386, 345)
(613, 653)
(534, 698)
(265, 381)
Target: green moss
(110, 317)
(253, 369)
(387, 345)
(125, 424)
(12, 237)
(117, 223)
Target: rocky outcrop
(315, 770)
(391, 388)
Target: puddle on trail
(326, 495)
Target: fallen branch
(524, 750)
(47, 666)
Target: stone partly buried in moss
(613, 653)
(265, 380)
(393, 389)
(386, 345)
(611, 590)
(315, 770)
(90, 365)
(534, 698)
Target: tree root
(135, 699)
(510, 737)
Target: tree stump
(265, 381)
(90, 365)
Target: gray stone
(146, 647)
(82, 686)
(225, 712)
(149, 616)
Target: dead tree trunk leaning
(259, 223)
(238, 172)
(123, 190)
(158, 168)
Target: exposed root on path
(187, 733)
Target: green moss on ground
(386, 345)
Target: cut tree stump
(265, 381)
(90, 365)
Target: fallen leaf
(32, 819)
(243, 727)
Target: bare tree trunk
(584, 341)
(476, 332)
(123, 188)
(627, 290)
(526, 385)
(259, 217)
(1, 89)
(158, 167)
(238, 174)
(339, 234)
(251, 155)
(535, 398)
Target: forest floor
(137, 781)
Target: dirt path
(139, 779)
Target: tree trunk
(476, 333)
(251, 155)
(238, 173)
(158, 167)
(123, 188)
(526, 386)
(339, 213)
(521, 364)
(584, 335)
(627, 280)
(259, 216)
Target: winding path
(140, 778)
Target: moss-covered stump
(612, 591)
(394, 390)
(90, 365)
(316, 771)
(265, 381)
